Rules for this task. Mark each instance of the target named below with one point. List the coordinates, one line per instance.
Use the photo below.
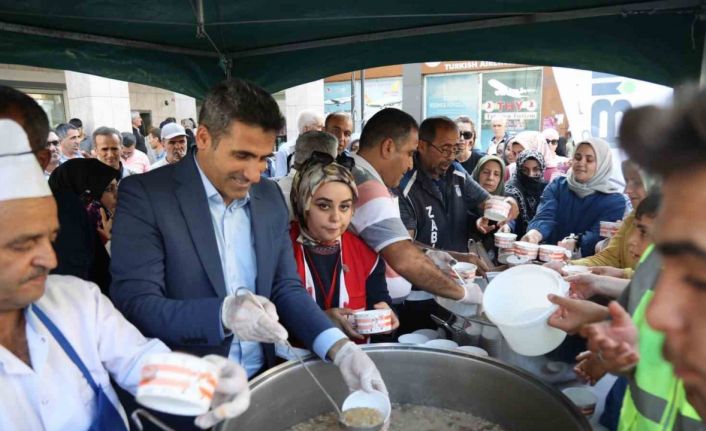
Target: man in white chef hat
(61, 340)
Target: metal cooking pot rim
(382, 347)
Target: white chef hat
(20, 174)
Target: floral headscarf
(307, 181)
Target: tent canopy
(189, 45)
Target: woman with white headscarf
(578, 202)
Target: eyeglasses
(553, 141)
(446, 152)
(466, 135)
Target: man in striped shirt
(387, 146)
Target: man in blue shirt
(191, 239)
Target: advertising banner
(515, 96)
(379, 93)
(452, 95)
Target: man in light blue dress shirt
(178, 277)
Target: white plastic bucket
(516, 301)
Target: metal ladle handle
(296, 355)
(135, 416)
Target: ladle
(318, 383)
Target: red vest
(358, 261)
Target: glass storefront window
(52, 103)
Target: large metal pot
(512, 398)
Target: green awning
(279, 44)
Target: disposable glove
(251, 321)
(441, 259)
(358, 370)
(232, 395)
(473, 294)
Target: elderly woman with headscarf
(95, 184)
(526, 186)
(578, 202)
(340, 272)
(489, 173)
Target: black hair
(23, 109)
(429, 127)
(128, 139)
(387, 123)
(156, 132)
(167, 121)
(105, 131)
(76, 122)
(561, 147)
(239, 100)
(342, 114)
(650, 205)
(62, 130)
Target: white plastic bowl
(412, 339)
(374, 400)
(514, 261)
(441, 344)
(505, 239)
(516, 301)
(527, 249)
(576, 269)
(431, 334)
(177, 383)
(549, 253)
(466, 270)
(373, 321)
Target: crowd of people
(154, 239)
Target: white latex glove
(473, 295)
(441, 259)
(533, 236)
(358, 370)
(483, 225)
(249, 322)
(232, 395)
